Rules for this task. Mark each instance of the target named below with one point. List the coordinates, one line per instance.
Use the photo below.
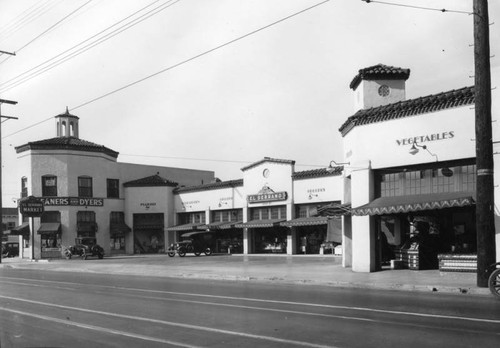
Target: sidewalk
(298, 269)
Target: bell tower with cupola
(67, 125)
(379, 85)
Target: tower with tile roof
(379, 85)
(67, 125)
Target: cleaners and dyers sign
(31, 206)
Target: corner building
(86, 192)
(411, 177)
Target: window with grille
(49, 186)
(84, 186)
(24, 187)
(113, 188)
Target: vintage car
(188, 246)
(85, 247)
(10, 249)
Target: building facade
(87, 193)
(411, 178)
(273, 209)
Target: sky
(218, 84)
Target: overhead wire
(54, 62)
(179, 64)
(17, 24)
(416, 7)
(49, 29)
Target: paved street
(68, 304)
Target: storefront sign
(426, 138)
(31, 207)
(267, 195)
(73, 201)
(148, 205)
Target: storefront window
(440, 179)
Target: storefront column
(347, 241)
(291, 241)
(247, 240)
(363, 227)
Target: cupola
(379, 85)
(67, 125)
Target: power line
(199, 55)
(27, 17)
(179, 64)
(416, 7)
(211, 160)
(49, 29)
(30, 74)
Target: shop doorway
(270, 240)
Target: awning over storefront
(194, 233)
(188, 227)
(405, 204)
(23, 229)
(306, 221)
(119, 228)
(49, 228)
(223, 225)
(334, 209)
(260, 223)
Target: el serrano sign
(73, 201)
(31, 207)
(267, 195)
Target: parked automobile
(85, 247)
(188, 246)
(10, 249)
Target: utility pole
(3, 101)
(485, 203)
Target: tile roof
(66, 143)
(211, 186)
(379, 71)
(411, 107)
(268, 159)
(153, 180)
(316, 173)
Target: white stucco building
(411, 178)
(88, 193)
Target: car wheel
(494, 283)
(197, 253)
(182, 252)
(208, 251)
(171, 252)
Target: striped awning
(188, 227)
(405, 204)
(194, 233)
(260, 223)
(223, 225)
(334, 209)
(306, 221)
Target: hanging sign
(31, 207)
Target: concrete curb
(201, 274)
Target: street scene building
(87, 193)
(403, 194)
